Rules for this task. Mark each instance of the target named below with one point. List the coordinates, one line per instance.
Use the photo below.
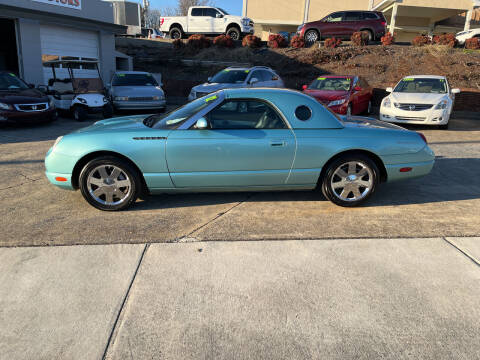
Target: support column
(468, 20)
(245, 8)
(393, 19)
(431, 29)
(306, 11)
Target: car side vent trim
(150, 138)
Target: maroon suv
(342, 24)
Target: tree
(152, 18)
(183, 5)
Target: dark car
(20, 102)
(346, 95)
(342, 24)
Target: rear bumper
(417, 170)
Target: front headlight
(337, 102)
(57, 141)
(82, 100)
(4, 106)
(246, 22)
(105, 99)
(387, 102)
(441, 105)
(121, 98)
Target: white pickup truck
(206, 20)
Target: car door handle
(278, 143)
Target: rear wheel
(176, 33)
(350, 180)
(79, 113)
(370, 35)
(110, 184)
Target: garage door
(69, 44)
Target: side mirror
(389, 89)
(304, 87)
(201, 124)
(357, 88)
(219, 16)
(209, 79)
(253, 81)
(456, 91)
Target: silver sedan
(136, 90)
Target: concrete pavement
(330, 299)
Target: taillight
(423, 137)
(384, 23)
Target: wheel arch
(176, 25)
(370, 30)
(90, 156)
(233, 24)
(375, 158)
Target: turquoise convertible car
(237, 140)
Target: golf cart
(79, 96)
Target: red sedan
(346, 95)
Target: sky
(233, 7)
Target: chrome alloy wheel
(352, 181)
(311, 36)
(109, 185)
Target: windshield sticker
(247, 71)
(12, 74)
(121, 75)
(321, 78)
(408, 79)
(226, 70)
(211, 98)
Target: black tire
(371, 37)
(79, 113)
(107, 111)
(175, 33)
(127, 171)
(234, 33)
(312, 36)
(372, 177)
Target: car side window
(210, 12)
(257, 75)
(197, 12)
(370, 16)
(353, 16)
(335, 17)
(266, 75)
(244, 114)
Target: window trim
(268, 103)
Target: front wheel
(234, 33)
(350, 180)
(311, 36)
(110, 184)
(79, 113)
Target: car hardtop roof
(56, 62)
(336, 76)
(260, 91)
(132, 72)
(248, 68)
(424, 77)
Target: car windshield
(9, 81)
(223, 11)
(134, 80)
(422, 86)
(177, 117)
(228, 76)
(331, 84)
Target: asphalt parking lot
(445, 203)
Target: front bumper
(11, 117)
(140, 105)
(60, 166)
(426, 117)
(248, 30)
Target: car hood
(366, 122)
(137, 91)
(416, 98)
(119, 123)
(27, 96)
(212, 87)
(327, 96)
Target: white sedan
(422, 100)
(465, 35)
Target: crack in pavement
(23, 183)
(464, 252)
(185, 238)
